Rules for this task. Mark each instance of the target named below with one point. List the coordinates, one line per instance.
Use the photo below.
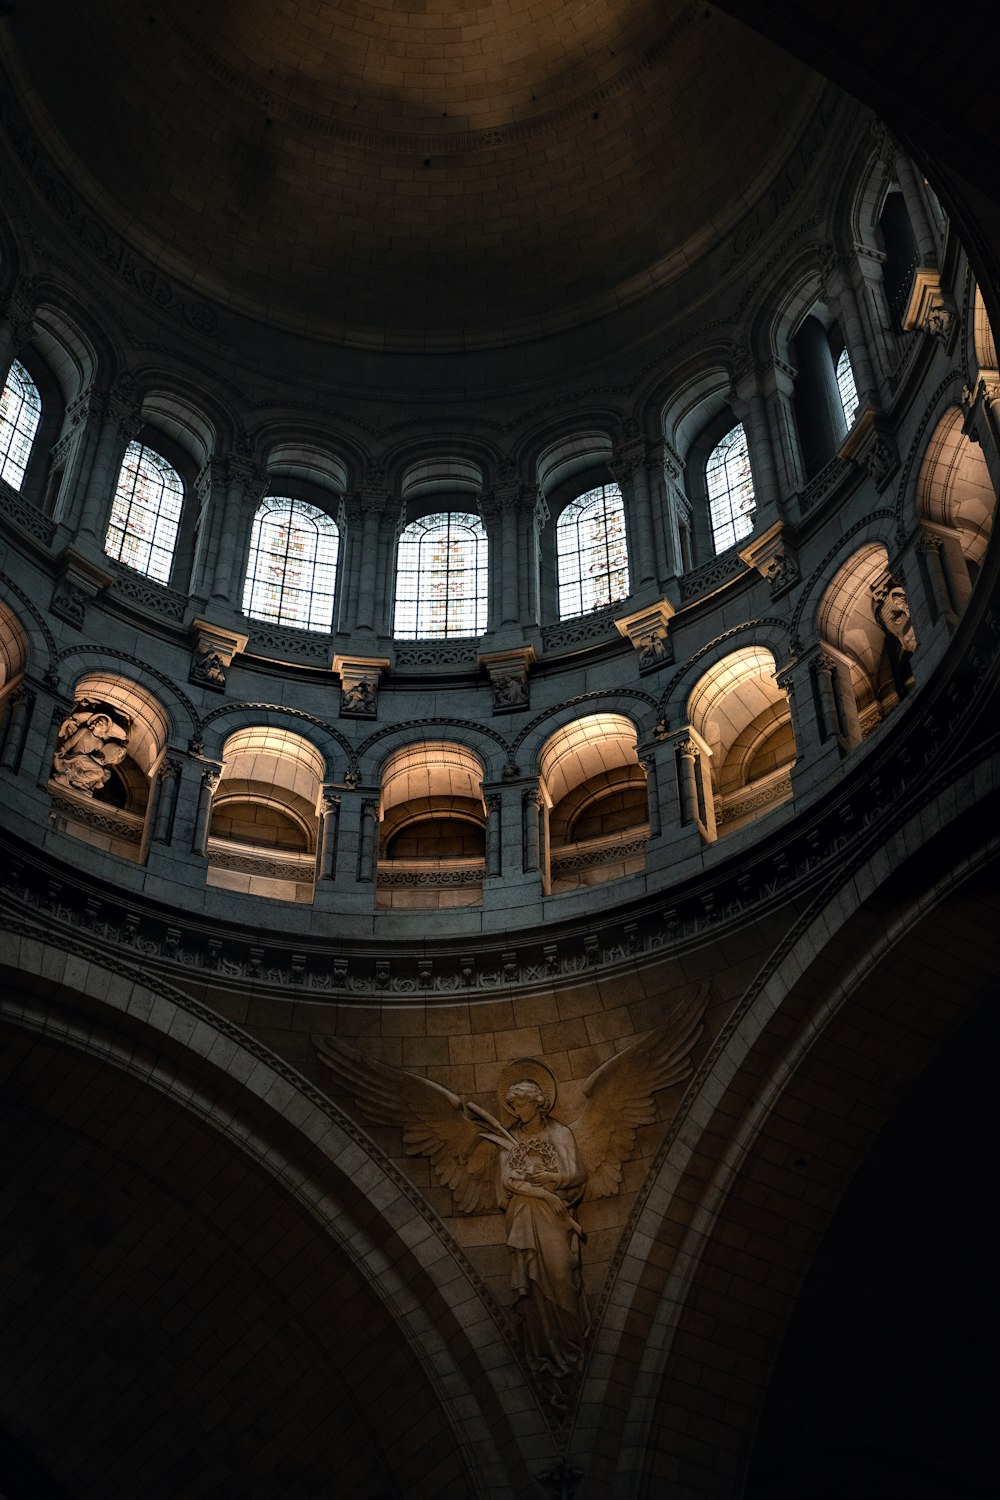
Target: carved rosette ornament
(91, 740)
(534, 1168)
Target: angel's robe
(544, 1241)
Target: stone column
(167, 779)
(494, 845)
(777, 389)
(816, 745)
(673, 515)
(749, 405)
(945, 572)
(842, 301)
(532, 803)
(121, 419)
(245, 485)
(329, 821)
(368, 840)
(629, 470)
(916, 208)
(16, 326)
(210, 778)
(15, 717)
(372, 506)
(883, 341)
(210, 487)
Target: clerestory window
(847, 388)
(442, 583)
(592, 552)
(292, 570)
(20, 413)
(145, 513)
(729, 483)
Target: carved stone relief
(90, 741)
(535, 1168)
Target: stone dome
(426, 175)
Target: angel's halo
(530, 1069)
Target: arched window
(442, 577)
(145, 513)
(292, 570)
(591, 552)
(729, 483)
(845, 385)
(20, 411)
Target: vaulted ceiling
(414, 173)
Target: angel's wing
(619, 1094)
(433, 1120)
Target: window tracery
(442, 578)
(20, 413)
(729, 483)
(592, 552)
(145, 513)
(292, 568)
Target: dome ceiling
(413, 173)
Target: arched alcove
(263, 832)
(595, 791)
(743, 717)
(432, 823)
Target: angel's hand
(546, 1179)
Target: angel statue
(535, 1168)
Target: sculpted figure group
(90, 741)
(536, 1169)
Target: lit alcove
(263, 832)
(744, 720)
(432, 828)
(865, 662)
(955, 495)
(107, 752)
(598, 809)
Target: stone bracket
(78, 582)
(775, 557)
(508, 674)
(647, 629)
(929, 308)
(871, 445)
(359, 682)
(214, 649)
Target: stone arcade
(498, 752)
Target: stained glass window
(591, 552)
(145, 513)
(848, 390)
(292, 572)
(20, 409)
(730, 489)
(442, 577)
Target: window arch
(145, 513)
(729, 484)
(591, 552)
(442, 581)
(20, 413)
(847, 387)
(292, 569)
